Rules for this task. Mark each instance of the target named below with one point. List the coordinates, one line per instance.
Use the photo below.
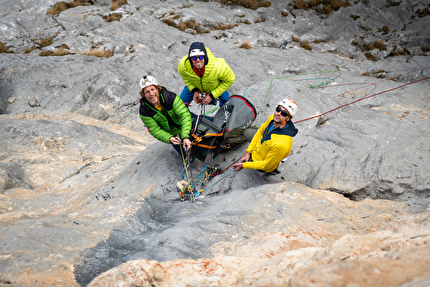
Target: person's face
(151, 94)
(197, 63)
(281, 115)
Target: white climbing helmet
(147, 81)
(290, 105)
(196, 52)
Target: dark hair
(142, 94)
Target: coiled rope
(370, 96)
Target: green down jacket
(174, 120)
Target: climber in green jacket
(164, 114)
(204, 74)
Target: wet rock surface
(84, 188)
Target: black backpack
(225, 130)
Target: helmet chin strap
(286, 121)
(281, 124)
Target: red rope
(387, 79)
(320, 115)
(230, 165)
(363, 98)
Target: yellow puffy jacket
(268, 148)
(217, 78)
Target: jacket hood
(201, 46)
(289, 129)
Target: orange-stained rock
(397, 253)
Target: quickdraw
(211, 172)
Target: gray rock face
(299, 260)
(85, 188)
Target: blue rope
(213, 184)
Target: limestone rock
(84, 188)
(394, 255)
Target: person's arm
(185, 74)
(258, 135)
(184, 114)
(207, 99)
(226, 78)
(155, 130)
(186, 144)
(238, 166)
(175, 140)
(197, 98)
(270, 162)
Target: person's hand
(245, 157)
(197, 98)
(238, 166)
(175, 140)
(187, 144)
(206, 100)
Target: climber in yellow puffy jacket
(273, 140)
(204, 74)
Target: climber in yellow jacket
(273, 140)
(204, 74)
